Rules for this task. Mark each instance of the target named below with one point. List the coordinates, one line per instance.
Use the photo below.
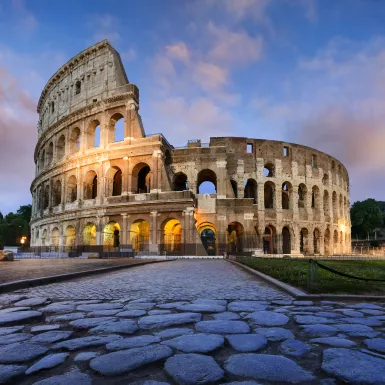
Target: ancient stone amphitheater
(102, 182)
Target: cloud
(26, 21)
(241, 9)
(17, 131)
(104, 26)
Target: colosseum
(102, 182)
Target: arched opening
(326, 203)
(55, 236)
(251, 190)
(325, 179)
(46, 197)
(207, 233)
(90, 185)
(72, 189)
(316, 241)
(302, 196)
(111, 234)
(286, 241)
(315, 204)
(42, 161)
(269, 189)
(89, 234)
(116, 128)
(49, 154)
(117, 183)
(327, 242)
(335, 242)
(207, 182)
(70, 236)
(341, 246)
(139, 234)
(52, 107)
(335, 204)
(93, 134)
(234, 237)
(269, 240)
(304, 241)
(171, 236)
(75, 140)
(57, 193)
(341, 207)
(78, 87)
(143, 180)
(268, 170)
(234, 186)
(180, 182)
(286, 192)
(60, 147)
(44, 237)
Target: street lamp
(22, 240)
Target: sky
(303, 71)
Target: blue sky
(305, 71)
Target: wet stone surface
(188, 322)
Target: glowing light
(342, 228)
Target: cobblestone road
(181, 279)
(186, 323)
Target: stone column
(321, 244)
(155, 166)
(154, 241)
(123, 230)
(221, 236)
(99, 231)
(249, 241)
(240, 178)
(221, 178)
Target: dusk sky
(304, 71)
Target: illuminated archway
(44, 238)
(269, 240)
(70, 236)
(89, 235)
(55, 235)
(139, 234)
(111, 234)
(207, 232)
(234, 235)
(141, 178)
(172, 235)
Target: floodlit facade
(101, 181)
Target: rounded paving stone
(18, 316)
(58, 307)
(174, 332)
(275, 334)
(353, 313)
(133, 342)
(13, 338)
(367, 306)
(377, 344)
(48, 362)
(87, 323)
(131, 313)
(248, 306)
(36, 301)
(120, 326)
(334, 341)
(202, 308)
(139, 306)
(311, 320)
(158, 312)
(99, 306)
(353, 367)
(196, 343)
(355, 330)
(10, 330)
(44, 328)
(247, 342)
(51, 336)
(268, 318)
(282, 302)
(165, 320)
(192, 369)
(294, 348)
(85, 342)
(69, 317)
(21, 352)
(363, 321)
(267, 367)
(102, 313)
(8, 372)
(116, 363)
(70, 378)
(171, 305)
(319, 330)
(228, 315)
(86, 356)
(303, 303)
(222, 327)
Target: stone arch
(269, 195)
(60, 147)
(49, 154)
(89, 234)
(171, 236)
(286, 240)
(342, 242)
(141, 178)
(78, 87)
(341, 207)
(251, 190)
(326, 203)
(302, 196)
(235, 233)
(270, 240)
(335, 242)
(316, 241)
(315, 198)
(90, 185)
(44, 237)
(42, 161)
(234, 187)
(70, 236)
(114, 181)
(325, 179)
(55, 237)
(75, 139)
(269, 170)
(327, 242)
(111, 234)
(304, 241)
(57, 193)
(208, 235)
(209, 179)
(72, 189)
(286, 192)
(46, 197)
(93, 134)
(180, 182)
(139, 234)
(335, 204)
(116, 127)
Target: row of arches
(76, 139)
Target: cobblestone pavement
(210, 332)
(22, 269)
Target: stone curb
(26, 283)
(301, 295)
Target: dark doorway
(117, 184)
(208, 241)
(286, 244)
(142, 180)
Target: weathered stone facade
(271, 195)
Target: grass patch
(295, 273)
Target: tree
(365, 216)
